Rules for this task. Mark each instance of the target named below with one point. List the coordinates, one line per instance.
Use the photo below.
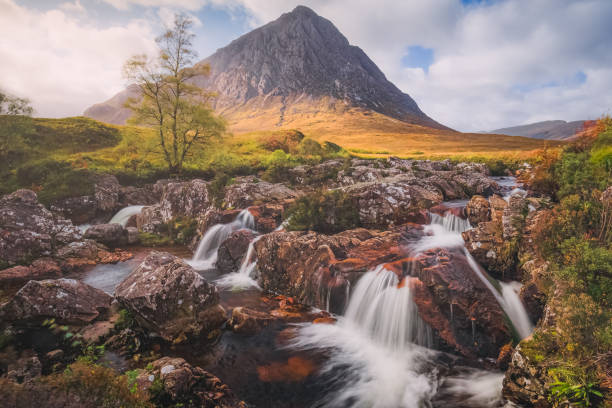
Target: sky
(473, 65)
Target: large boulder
(178, 199)
(457, 304)
(28, 230)
(107, 234)
(248, 191)
(147, 195)
(66, 300)
(232, 250)
(106, 193)
(318, 269)
(188, 386)
(392, 201)
(170, 298)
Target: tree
(179, 110)
(15, 122)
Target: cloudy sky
(470, 64)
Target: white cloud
(502, 64)
(75, 7)
(183, 4)
(62, 63)
(481, 54)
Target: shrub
(54, 180)
(277, 165)
(216, 188)
(286, 141)
(329, 212)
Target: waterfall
(242, 279)
(124, 215)
(377, 358)
(445, 232)
(515, 309)
(205, 256)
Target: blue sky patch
(418, 57)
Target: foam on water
(124, 215)
(243, 279)
(205, 256)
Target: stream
(377, 355)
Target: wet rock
(269, 216)
(43, 268)
(478, 210)
(76, 255)
(248, 191)
(534, 301)
(66, 300)
(474, 325)
(248, 321)
(131, 235)
(108, 234)
(150, 219)
(215, 216)
(80, 210)
(28, 230)
(187, 385)
(170, 298)
(232, 250)
(317, 269)
(525, 382)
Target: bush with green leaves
(327, 212)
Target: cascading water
(244, 277)
(377, 358)
(124, 215)
(205, 256)
(445, 232)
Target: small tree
(15, 122)
(178, 110)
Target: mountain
(550, 130)
(292, 72)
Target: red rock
(296, 369)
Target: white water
(124, 215)
(515, 309)
(242, 279)
(376, 359)
(205, 256)
(445, 232)
(476, 388)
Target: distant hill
(550, 130)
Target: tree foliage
(15, 123)
(171, 103)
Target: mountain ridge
(294, 67)
(548, 130)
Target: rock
(170, 298)
(88, 252)
(513, 218)
(43, 268)
(178, 199)
(28, 230)
(80, 210)
(525, 382)
(214, 216)
(248, 321)
(66, 300)
(392, 201)
(108, 234)
(150, 219)
(314, 267)
(131, 195)
(232, 250)
(249, 191)
(475, 323)
(534, 301)
(187, 385)
(131, 235)
(478, 210)
(269, 216)
(55, 355)
(106, 193)
(94, 333)
(24, 370)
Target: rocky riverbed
(413, 304)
